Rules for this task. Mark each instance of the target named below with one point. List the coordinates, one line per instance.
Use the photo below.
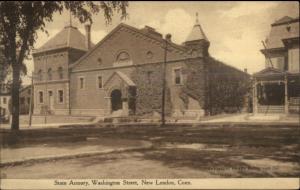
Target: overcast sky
(234, 29)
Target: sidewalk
(93, 146)
(42, 125)
(52, 121)
(254, 119)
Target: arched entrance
(116, 100)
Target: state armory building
(122, 74)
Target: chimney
(88, 36)
(168, 37)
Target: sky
(235, 29)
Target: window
(28, 100)
(81, 83)
(40, 75)
(177, 73)
(60, 73)
(99, 82)
(123, 59)
(49, 74)
(149, 76)
(123, 56)
(41, 97)
(4, 100)
(50, 93)
(194, 53)
(99, 61)
(60, 96)
(149, 55)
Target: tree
(20, 21)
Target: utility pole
(163, 120)
(46, 93)
(31, 101)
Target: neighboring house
(277, 87)
(4, 99)
(25, 96)
(122, 74)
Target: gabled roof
(69, 37)
(122, 25)
(124, 77)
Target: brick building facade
(120, 75)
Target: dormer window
(123, 58)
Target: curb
(70, 156)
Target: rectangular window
(60, 96)
(28, 100)
(4, 100)
(149, 76)
(177, 73)
(41, 97)
(81, 83)
(100, 82)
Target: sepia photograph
(149, 95)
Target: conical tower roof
(197, 32)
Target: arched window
(60, 73)
(149, 55)
(49, 74)
(40, 75)
(123, 58)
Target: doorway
(116, 100)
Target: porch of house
(276, 92)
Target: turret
(197, 41)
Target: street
(177, 152)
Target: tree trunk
(15, 96)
